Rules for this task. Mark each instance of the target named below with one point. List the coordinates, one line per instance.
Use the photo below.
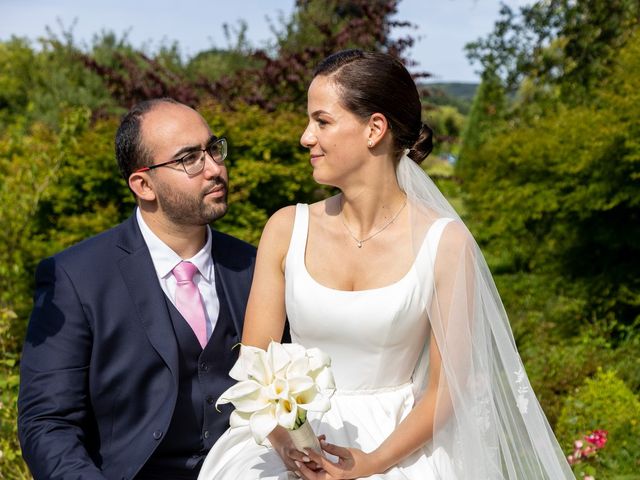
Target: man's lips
(217, 191)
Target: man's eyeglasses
(193, 162)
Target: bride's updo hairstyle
(372, 82)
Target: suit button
(157, 434)
(204, 367)
(210, 400)
(206, 434)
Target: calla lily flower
(277, 387)
(263, 422)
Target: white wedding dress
(374, 338)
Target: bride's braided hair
(372, 82)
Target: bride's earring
(370, 143)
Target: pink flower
(583, 452)
(598, 438)
(588, 477)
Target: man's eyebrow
(193, 148)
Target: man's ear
(142, 186)
(378, 127)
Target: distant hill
(464, 91)
(458, 94)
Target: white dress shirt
(165, 260)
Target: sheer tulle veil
(487, 418)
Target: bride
(385, 278)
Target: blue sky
(444, 26)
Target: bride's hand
(352, 463)
(290, 455)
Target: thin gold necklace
(359, 242)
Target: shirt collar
(165, 259)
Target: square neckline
(395, 284)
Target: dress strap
(434, 234)
(298, 243)
(425, 260)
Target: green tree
(572, 43)
(39, 85)
(564, 186)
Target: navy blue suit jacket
(99, 365)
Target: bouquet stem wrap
(304, 437)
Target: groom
(130, 340)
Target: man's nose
(211, 167)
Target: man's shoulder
(95, 247)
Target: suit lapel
(142, 282)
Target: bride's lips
(314, 157)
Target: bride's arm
(265, 316)
(452, 291)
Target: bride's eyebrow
(317, 113)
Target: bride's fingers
(336, 450)
(307, 474)
(296, 456)
(324, 463)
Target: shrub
(604, 402)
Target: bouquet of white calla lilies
(278, 387)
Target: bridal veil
(487, 417)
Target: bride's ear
(378, 127)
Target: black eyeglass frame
(222, 141)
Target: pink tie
(188, 301)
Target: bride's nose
(307, 139)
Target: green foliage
(447, 124)
(604, 402)
(554, 188)
(486, 112)
(88, 196)
(61, 186)
(215, 64)
(563, 42)
(11, 465)
(551, 180)
(547, 316)
(40, 85)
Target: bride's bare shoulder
(327, 207)
(278, 229)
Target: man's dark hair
(131, 153)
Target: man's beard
(195, 209)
